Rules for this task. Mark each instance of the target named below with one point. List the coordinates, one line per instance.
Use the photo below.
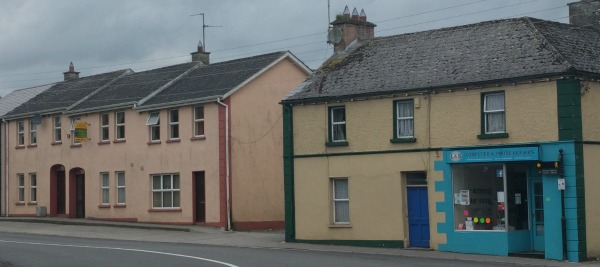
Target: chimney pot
(346, 12)
(363, 15)
(355, 14)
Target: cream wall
(135, 157)
(589, 112)
(592, 209)
(376, 191)
(256, 144)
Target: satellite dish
(37, 119)
(334, 35)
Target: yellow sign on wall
(81, 131)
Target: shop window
(488, 197)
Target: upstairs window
(104, 124)
(154, 123)
(494, 113)
(73, 121)
(120, 125)
(198, 121)
(404, 119)
(20, 133)
(32, 133)
(337, 124)
(174, 124)
(57, 135)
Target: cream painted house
(194, 143)
(479, 138)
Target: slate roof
(63, 94)
(132, 88)
(212, 81)
(18, 97)
(479, 53)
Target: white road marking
(124, 249)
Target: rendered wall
(135, 157)
(592, 209)
(256, 147)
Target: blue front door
(418, 217)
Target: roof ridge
(539, 35)
(125, 73)
(165, 86)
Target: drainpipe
(5, 141)
(227, 163)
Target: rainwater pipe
(228, 200)
(5, 141)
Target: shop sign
(493, 155)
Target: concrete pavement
(214, 236)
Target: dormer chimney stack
(71, 74)
(355, 27)
(200, 55)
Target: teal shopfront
(508, 199)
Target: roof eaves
(171, 82)
(178, 103)
(125, 73)
(29, 114)
(102, 108)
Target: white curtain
(405, 119)
(342, 207)
(494, 108)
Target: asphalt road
(41, 250)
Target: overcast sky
(39, 38)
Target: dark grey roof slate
(133, 88)
(213, 80)
(477, 53)
(63, 94)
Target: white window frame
(32, 132)
(404, 117)
(120, 187)
(337, 200)
(335, 123)
(73, 121)
(153, 123)
(119, 126)
(21, 187)
(104, 127)
(33, 187)
(199, 121)
(173, 125)
(104, 187)
(20, 133)
(487, 112)
(162, 190)
(57, 135)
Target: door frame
(537, 243)
(198, 218)
(419, 185)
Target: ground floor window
(341, 202)
(120, 187)
(21, 186)
(165, 191)
(490, 197)
(32, 187)
(104, 185)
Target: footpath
(87, 228)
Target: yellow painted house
(480, 138)
(193, 143)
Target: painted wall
(135, 157)
(441, 120)
(592, 210)
(256, 147)
(589, 112)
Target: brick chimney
(200, 55)
(71, 74)
(353, 27)
(585, 13)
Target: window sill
(119, 141)
(347, 225)
(116, 206)
(403, 140)
(75, 145)
(104, 206)
(339, 143)
(56, 143)
(20, 203)
(154, 142)
(104, 142)
(20, 147)
(492, 136)
(165, 210)
(32, 145)
(32, 203)
(198, 138)
(173, 140)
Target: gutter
(228, 197)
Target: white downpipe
(228, 198)
(5, 141)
